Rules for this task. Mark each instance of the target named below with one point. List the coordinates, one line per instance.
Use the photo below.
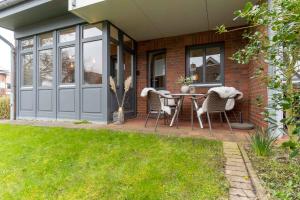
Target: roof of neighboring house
(8, 3)
(5, 72)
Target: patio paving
(219, 132)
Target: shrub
(4, 107)
(261, 143)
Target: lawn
(58, 163)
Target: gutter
(13, 79)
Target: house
(66, 51)
(4, 82)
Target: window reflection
(197, 64)
(213, 67)
(128, 42)
(114, 32)
(27, 66)
(67, 35)
(46, 39)
(114, 63)
(27, 44)
(45, 68)
(92, 62)
(92, 30)
(67, 61)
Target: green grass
(57, 163)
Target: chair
(213, 104)
(158, 104)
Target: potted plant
(185, 83)
(127, 83)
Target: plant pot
(120, 117)
(185, 89)
(192, 90)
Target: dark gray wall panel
(45, 100)
(92, 100)
(66, 101)
(26, 100)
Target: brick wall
(236, 75)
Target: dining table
(181, 98)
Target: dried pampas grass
(127, 84)
(112, 84)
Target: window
(27, 44)
(67, 62)
(114, 62)
(45, 68)
(114, 32)
(128, 58)
(27, 69)
(128, 42)
(67, 35)
(157, 67)
(46, 39)
(92, 62)
(92, 30)
(205, 64)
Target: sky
(5, 56)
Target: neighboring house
(66, 51)
(4, 82)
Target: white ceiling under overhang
(149, 19)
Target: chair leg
(228, 122)
(158, 116)
(208, 118)
(147, 119)
(200, 121)
(221, 119)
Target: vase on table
(184, 89)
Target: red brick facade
(236, 75)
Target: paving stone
(236, 173)
(236, 197)
(244, 179)
(234, 156)
(245, 186)
(236, 164)
(239, 160)
(249, 193)
(236, 168)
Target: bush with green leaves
(261, 143)
(4, 107)
(279, 49)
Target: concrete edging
(260, 190)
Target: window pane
(213, 65)
(158, 70)
(128, 42)
(114, 32)
(128, 61)
(27, 44)
(46, 39)
(92, 62)
(45, 68)
(67, 35)
(114, 62)
(67, 61)
(196, 65)
(92, 30)
(27, 67)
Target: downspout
(271, 70)
(13, 79)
